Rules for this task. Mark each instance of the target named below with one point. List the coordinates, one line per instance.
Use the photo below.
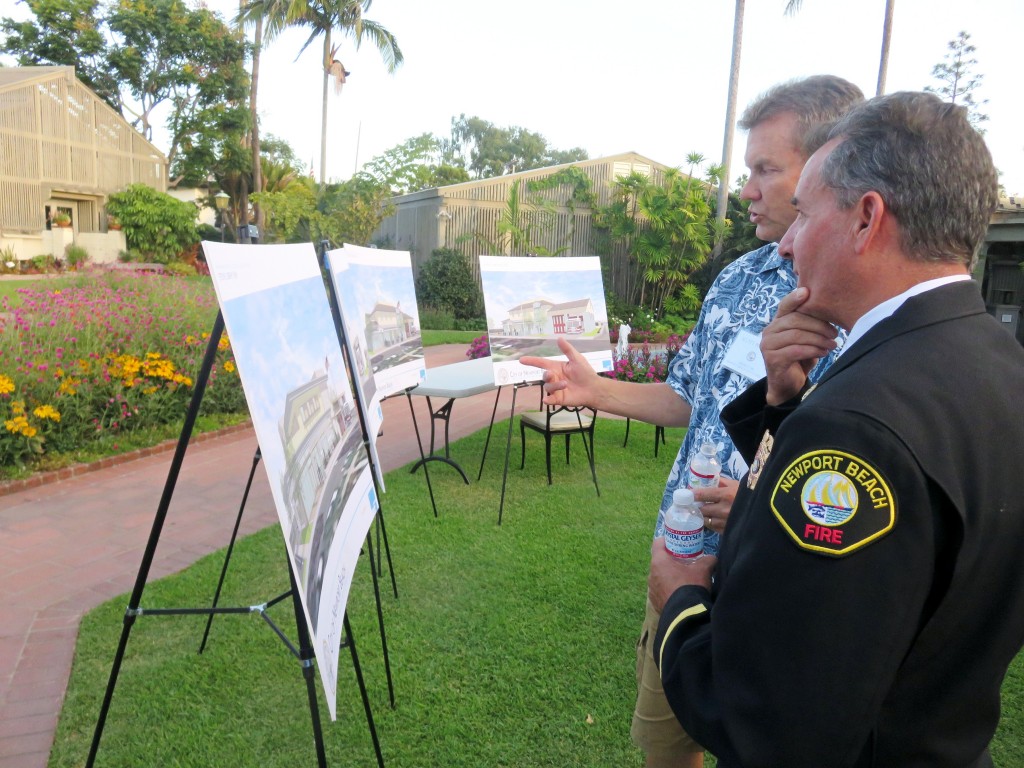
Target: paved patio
(70, 544)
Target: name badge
(744, 356)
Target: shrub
(479, 348)
(433, 319)
(470, 324)
(208, 232)
(180, 269)
(446, 282)
(155, 224)
(9, 262)
(44, 262)
(75, 256)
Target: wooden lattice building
(63, 149)
(465, 216)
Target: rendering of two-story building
(540, 317)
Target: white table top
(458, 379)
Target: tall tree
(253, 14)
(487, 150)
(64, 33)
(667, 230)
(793, 6)
(324, 18)
(730, 108)
(957, 80)
(883, 62)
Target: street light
(220, 200)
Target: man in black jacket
(869, 597)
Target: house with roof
(63, 150)
(465, 216)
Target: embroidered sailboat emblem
(829, 498)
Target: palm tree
(253, 14)
(793, 6)
(730, 112)
(323, 17)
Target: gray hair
(817, 101)
(931, 168)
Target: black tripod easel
(373, 573)
(303, 651)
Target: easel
(304, 651)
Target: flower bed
(645, 364)
(105, 355)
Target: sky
(649, 76)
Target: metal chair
(560, 420)
(659, 436)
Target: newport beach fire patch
(833, 503)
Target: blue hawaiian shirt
(743, 297)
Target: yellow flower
(47, 412)
(223, 344)
(19, 425)
(6, 384)
(229, 366)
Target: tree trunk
(323, 117)
(257, 170)
(243, 210)
(730, 113)
(883, 62)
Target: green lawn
(510, 646)
(433, 338)
(9, 289)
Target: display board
(377, 296)
(531, 302)
(286, 349)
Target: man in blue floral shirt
(720, 358)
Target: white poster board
(377, 297)
(286, 348)
(532, 301)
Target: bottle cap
(682, 496)
(708, 449)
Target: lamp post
(220, 200)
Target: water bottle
(684, 526)
(705, 468)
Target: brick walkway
(71, 543)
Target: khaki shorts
(655, 728)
